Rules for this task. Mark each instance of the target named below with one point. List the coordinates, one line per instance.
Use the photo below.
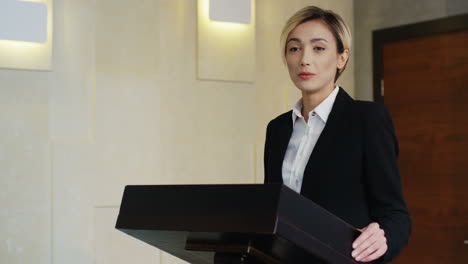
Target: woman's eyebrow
(318, 39)
(312, 40)
(293, 39)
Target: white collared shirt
(303, 140)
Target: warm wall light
(225, 50)
(26, 29)
(23, 21)
(236, 11)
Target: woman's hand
(371, 244)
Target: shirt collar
(322, 110)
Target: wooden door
(426, 90)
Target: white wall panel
(115, 247)
(25, 179)
(127, 37)
(71, 95)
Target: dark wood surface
(422, 29)
(264, 223)
(426, 90)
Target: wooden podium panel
(258, 223)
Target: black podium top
(270, 222)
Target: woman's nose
(306, 57)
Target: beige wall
(372, 15)
(122, 106)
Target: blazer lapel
(335, 123)
(283, 136)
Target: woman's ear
(342, 59)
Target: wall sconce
(236, 11)
(26, 34)
(226, 36)
(23, 21)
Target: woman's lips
(306, 75)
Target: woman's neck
(311, 100)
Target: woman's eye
(319, 48)
(293, 49)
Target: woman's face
(312, 57)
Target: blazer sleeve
(382, 180)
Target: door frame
(383, 36)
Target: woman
(336, 151)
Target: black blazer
(352, 171)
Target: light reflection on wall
(231, 45)
(29, 55)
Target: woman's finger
(367, 231)
(377, 254)
(369, 245)
(369, 250)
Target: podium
(250, 223)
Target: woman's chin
(309, 90)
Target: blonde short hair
(336, 24)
